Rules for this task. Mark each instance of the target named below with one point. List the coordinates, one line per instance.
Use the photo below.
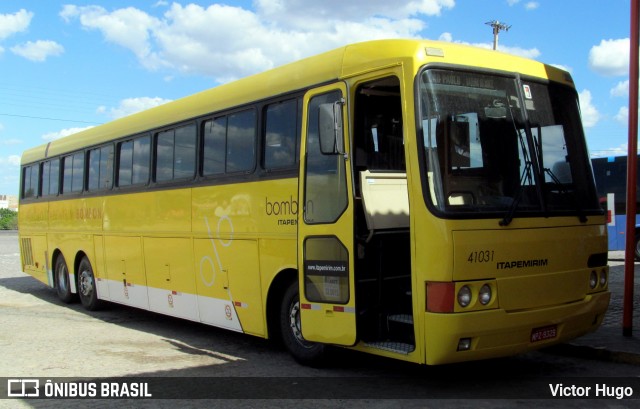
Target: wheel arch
(76, 266)
(54, 257)
(276, 291)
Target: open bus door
(325, 224)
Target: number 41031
(482, 256)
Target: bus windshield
(502, 146)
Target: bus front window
(501, 146)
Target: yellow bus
(424, 201)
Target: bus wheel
(61, 277)
(637, 252)
(87, 286)
(303, 351)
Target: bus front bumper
(497, 333)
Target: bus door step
(401, 318)
(398, 347)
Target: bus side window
(134, 161)
(214, 146)
(30, 177)
(281, 135)
(176, 154)
(50, 177)
(100, 168)
(73, 173)
(241, 141)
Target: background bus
(611, 180)
(423, 201)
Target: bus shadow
(185, 336)
(241, 355)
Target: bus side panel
(244, 283)
(170, 278)
(33, 218)
(99, 269)
(212, 286)
(34, 257)
(125, 271)
(154, 213)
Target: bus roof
(340, 63)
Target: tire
(61, 281)
(303, 351)
(87, 286)
(637, 252)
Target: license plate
(542, 333)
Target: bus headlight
(464, 296)
(593, 280)
(485, 294)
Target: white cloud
(298, 13)
(563, 67)
(129, 27)
(14, 23)
(623, 116)
(590, 114)
(532, 53)
(621, 89)
(610, 57)
(130, 106)
(62, 133)
(39, 50)
(620, 150)
(11, 160)
(227, 42)
(532, 5)
(446, 37)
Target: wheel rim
(86, 283)
(62, 277)
(295, 326)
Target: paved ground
(608, 341)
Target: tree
(8, 219)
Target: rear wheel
(303, 351)
(62, 282)
(87, 286)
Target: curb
(596, 353)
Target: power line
(51, 119)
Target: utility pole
(632, 170)
(497, 27)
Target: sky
(66, 66)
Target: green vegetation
(8, 219)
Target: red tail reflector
(440, 296)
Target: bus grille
(27, 252)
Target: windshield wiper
(508, 217)
(562, 189)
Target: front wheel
(87, 286)
(303, 351)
